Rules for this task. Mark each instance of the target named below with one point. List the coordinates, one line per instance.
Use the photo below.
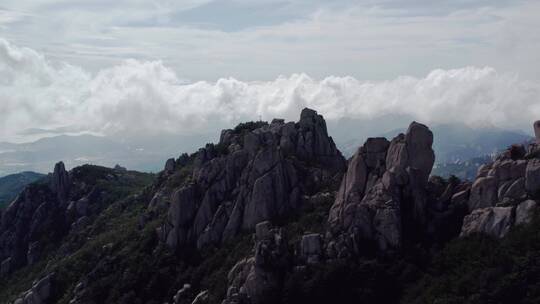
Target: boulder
(483, 170)
(170, 165)
(516, 190)
(311, 248)
(183, 295)
(40, 293)
(419, 141)
(525, 212)
(119, 168)
(202, 297)
(351, 190)
(460, 198)
(483, 193)
(493, 221)
(256, 279)
(180, 216)
(518, 168)
(532, 177)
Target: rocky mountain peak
(384, 186)
(537, 130)
(257, 172)
(60, 181)
(314, 220)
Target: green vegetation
(483, 270)
(12, 185)
(118, 222)
(121, 261)
(248, 126)
(476, 269)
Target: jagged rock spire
(536, 126)
(257, 172)
(385, 182)
(60, 182)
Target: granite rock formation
(255, 173)
(385, 187)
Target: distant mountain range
(452, 143)
(11, 185)
(145, 153)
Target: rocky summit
(250, 176)
(273, 213)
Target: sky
(110, 67)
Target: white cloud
(146, 96)
(369, 39)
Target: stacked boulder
(387, 197)
(505, 192)
(255, 173)
(385, 188)
(257, 279)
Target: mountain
(135, 152)
(12, 185)
(273, 213)
(465, 170)
(452, 143)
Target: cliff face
(386, 200)
(385, 186)
(250, 176)
(272, 213)
(48, 211)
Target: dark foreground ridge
(273, 213)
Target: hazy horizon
(184, 71)
(201, 66)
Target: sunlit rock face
(255, 173)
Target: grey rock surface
(525, 211)
(494, 221)
(381, 178)
(254, 174)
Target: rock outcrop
(257, 172)
(532, 177)
(385, 186)
(536, 127)
(525, 212)
(60, 182)
(44, 213)
(494, 221)
(257, 279)
(504, 193)
(311, 248)
(40, 293)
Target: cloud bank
(246, 39)
(138, 97)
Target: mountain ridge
(272, 213)
(11, 185)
